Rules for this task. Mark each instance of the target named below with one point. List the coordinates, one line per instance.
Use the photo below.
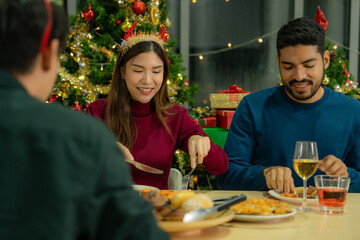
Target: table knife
(144, 167)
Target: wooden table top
(308, 225)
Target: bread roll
(180, 197)
(196, 202)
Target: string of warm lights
(342, 46)
(260, 39)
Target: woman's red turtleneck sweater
(155, 147)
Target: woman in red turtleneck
(148, 126)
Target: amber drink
(305, 168)
(305, 163)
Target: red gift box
(206, 122)
(224, 118)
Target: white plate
(141, 187)
(275, 194)
(256, 218)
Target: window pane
(214, 24)
(247, 63)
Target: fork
(186, 179)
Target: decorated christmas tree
(88, 62)
(337, 77)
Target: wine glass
(305, 164)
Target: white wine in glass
(305, 164)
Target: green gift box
(217, 135)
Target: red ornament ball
(76, 106)
(139, 7)
(186, 82)
(89, 14)
(117, 21)
(53, 98)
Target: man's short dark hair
(22, 24)
(304, 31)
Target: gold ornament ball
(125, 25)
(167, 23)
(140, 19)
(338, 88)
(326, 80)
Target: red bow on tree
(346, 73)
(320, 19)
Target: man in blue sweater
(267, 124)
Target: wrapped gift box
(224, 118)
(226, 100)
(206, 122)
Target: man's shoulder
(263, 95)
(57, 118)
(337, 96)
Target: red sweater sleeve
(97, 109)
(216, 162)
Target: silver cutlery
(186, 179)
(201, 214)
(144, 167)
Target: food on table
(168, 194)
(292, 195)
(311, 192)
(145, 190)
(180, 197)
(264, 207)
(175, 208)
(199, 201)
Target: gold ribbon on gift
(201, 112)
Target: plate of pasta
(261, 210)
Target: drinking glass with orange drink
(305, 163)
(332, 192)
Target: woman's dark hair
(118, 109)
(305, 31)
(22, 24)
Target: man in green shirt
(62, 175)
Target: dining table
(300, 226)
